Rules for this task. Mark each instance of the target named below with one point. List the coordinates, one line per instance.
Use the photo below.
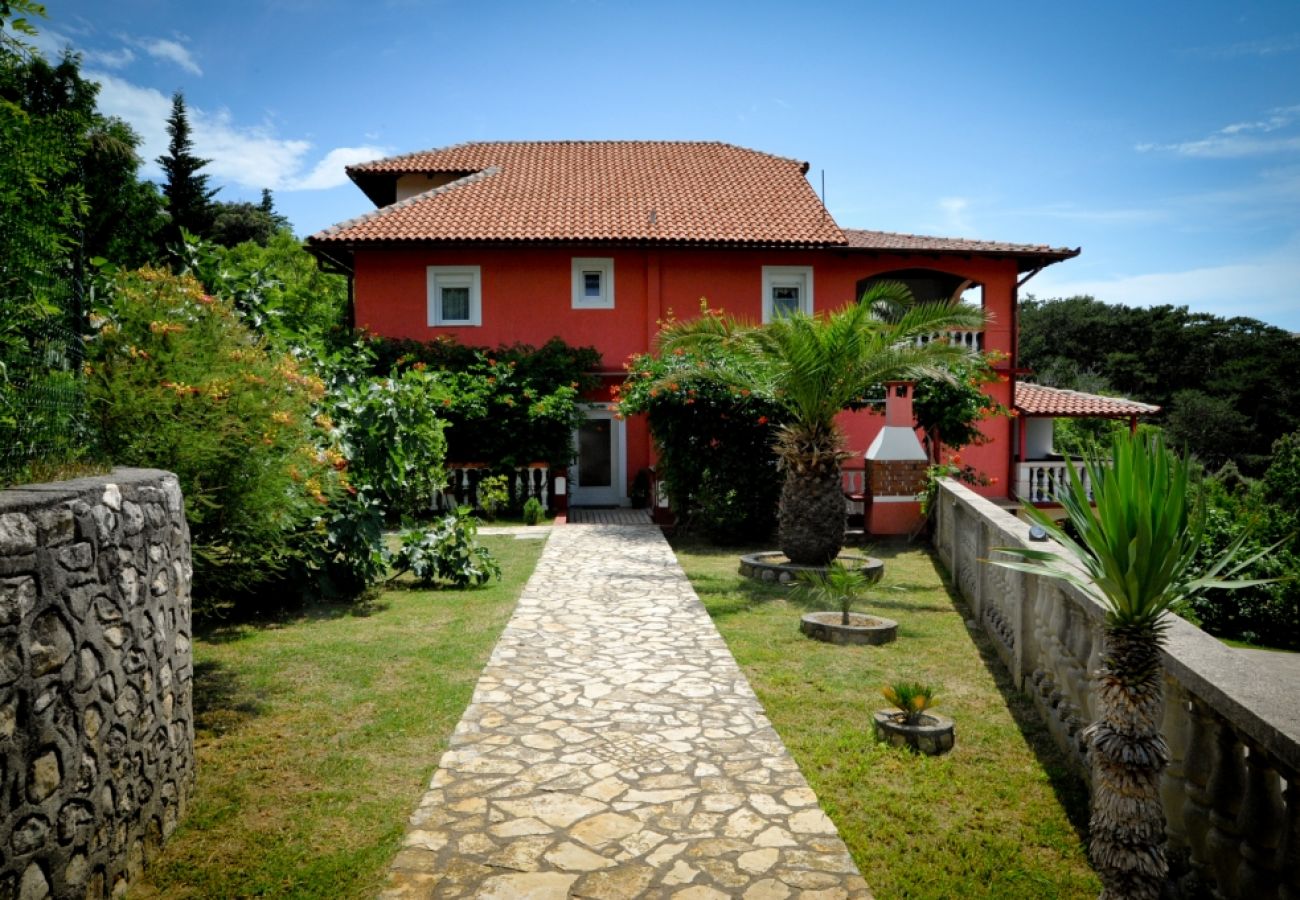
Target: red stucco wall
(526, 297)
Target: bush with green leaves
(391, 435)
(951, 411)
(492, 496)
(534, 512)
(506, 407)
(175, 380)
(714, 444)
(446, 552)
(1267, 510)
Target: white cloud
(1263, 288)
(246, 156)
(1239, 139)
(170, 51)
(112, 59)
(329, 172)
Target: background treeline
(1229, 396)
(1228, 387)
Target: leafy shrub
(177, 381)
(278, 289)
(492, 495)
(1269, 511)
(534, 512)
(392, 438)
(446, 552)
(508, 406)
(714, 445)
(950, 412)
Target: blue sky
(1163, 138)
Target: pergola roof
(1040, 400)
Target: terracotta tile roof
(1040, 400)
(916, 243)
(608, 191)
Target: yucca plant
(837, 586)
(912, 699)
(1137, 549)
(813, 368)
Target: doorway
(599, 474)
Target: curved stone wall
(96, 724)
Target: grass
(316, 735)
(1000, 817)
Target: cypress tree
(189, 199)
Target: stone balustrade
(96, 723)
(1232, 718)
(522, 484)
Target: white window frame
(788, 276)
(455, 276)
(603, 265)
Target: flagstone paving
(614, 749)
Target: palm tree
(1137, 549)
(813, 368)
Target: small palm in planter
(910, 723)
(840, 586)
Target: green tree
(1153, 354)
(124, 213)
(813, 368)
(1138, 550)
(236, 223)
(189, 199)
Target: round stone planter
(933, 735)
(774, 568)
(862, 629)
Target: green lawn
(315, 737)
(999, 817)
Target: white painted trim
(455, 276)
(788, 276)
(894, 498)
(605, 266)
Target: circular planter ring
(774, 568)
(862, 629)
(933, 735)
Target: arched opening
(930, 285)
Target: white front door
(598, 476)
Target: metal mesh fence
(42, 397)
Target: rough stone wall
(96, 725)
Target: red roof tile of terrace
(890, 241)
(597, 191)
(1039, 400)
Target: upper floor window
(593, 283)
(455, 296)
(786, 290)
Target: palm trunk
(812, 514)
(1128, 754)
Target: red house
(596, 241)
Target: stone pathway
(613, 749)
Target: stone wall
(96, 725)
(1232, 717)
